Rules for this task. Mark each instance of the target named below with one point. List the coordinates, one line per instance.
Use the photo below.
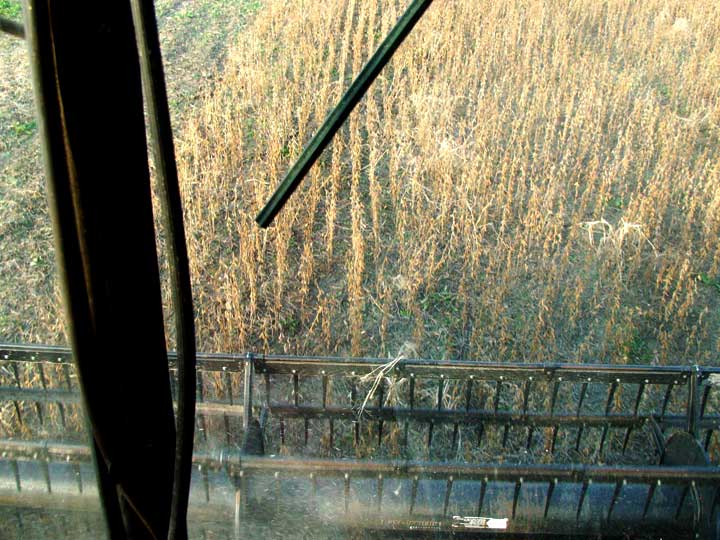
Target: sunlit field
(527, 180)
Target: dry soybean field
(527, 180)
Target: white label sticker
(473, 522)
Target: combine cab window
(455, 273)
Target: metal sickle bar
(339, 114)
(705, 476)
(12, 28)
(233, 459)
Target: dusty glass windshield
(493, 303)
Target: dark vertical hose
(163, 150)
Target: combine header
(401, 448)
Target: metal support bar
(649, 498)
(611, 395)
(419, 368)
(472, 417)
(457, 417)
(347, 492)
(553, 399)
(638, 398)
(247, 391)
(693, 406)
(499, 472)
(583, 491)
(603, 437)
(583, 391)
(526, 395)
(548, 497)
(496, 399)
(379, 493)
(468, 393)
(448, 491)
(555, 429)
(481, 498)
(413, 494)
(704, 400)
(516, 495)
(616, 495)
(666, 399)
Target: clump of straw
(407, 350)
